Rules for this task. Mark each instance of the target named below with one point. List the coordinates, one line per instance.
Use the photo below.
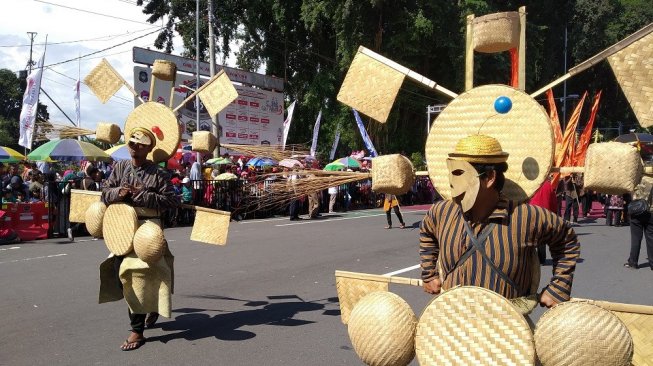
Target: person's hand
(547, 300)
(433, 287)
(123, 192)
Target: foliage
(418, 161)
(311, 43)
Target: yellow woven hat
(162, 123)
(479, 149)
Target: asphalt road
(267, 298)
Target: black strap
(478, 245)
(470, 249)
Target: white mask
(463, 179)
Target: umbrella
(261, 162)
(226, 176)
(634, 137)
(118, 152)
(290, 163)
(9, 155)
(342, 164)
(68, 150)
(219, 161)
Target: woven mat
(217, 95)
(473, 326)
(80, 201)
(524, 132)
(118, 228)
(103, 81)
(634, 71)
(152, 114)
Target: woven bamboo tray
(382, 330)
(210, 226)
(639, 321)
(149, 115)
(524, 132)
(94, 218)
(80, 201)
(118, 228)
(473, 326)
(580, 333)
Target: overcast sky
(71, 33)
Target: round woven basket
(119, 227)
(164, 70)
(149, 242)
(524, 132)
(94, 218)
(473, 326)
(107, 132)
(580, 333)
(392, 174)
(382, 329)
(152, 114)
(496, 32)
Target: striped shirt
(519, 229)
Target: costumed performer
(480, 238)
(140, 183)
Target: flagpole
(78, 96)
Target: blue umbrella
(261, 162)
(119, 152)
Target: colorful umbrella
(9, 155)
(342, 164)
(68, 150)
(226, 176)
(118, 152)
(261, 162)
(290, 163)
(219, 161)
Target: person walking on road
(389, 203)
(641, 225)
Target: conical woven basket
(392, 174)
(580, 333)
(94, 218)
(382, 330)
(473, 326)
(612, 168)
(149, 242)
(119, 226)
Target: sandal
(389, 227)
(402, 226)
(131, 346)
(151, 320)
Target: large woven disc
(118, 228)
(524, 132)
(152, 114)
(580, 333)
(473, 326)
(382, 329)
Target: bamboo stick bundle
(275, 152)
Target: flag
(30, 105)
(555, 123)
(586, 136)
(286, 125)
(316, 130)
(335, 144)
(78, 118)
(366, 138)
(568, 140)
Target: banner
(555, 123)
(316, 130)
(586, 136)
(366, 138)
(335, 144)
(30, 105)
(78, 118)
(286, 124)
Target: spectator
(641, 225)
(615, 209)
(8, 196)
(333, 195)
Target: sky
(96, 25)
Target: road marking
(242, 222)
(9, 248)
(29, 259)
(307, 221)
(407, 269)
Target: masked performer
(141, 184)
(480, 238)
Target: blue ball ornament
(502, 105)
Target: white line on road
(306, 221)
(407, 269)
(9, 248)
(29, 259)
